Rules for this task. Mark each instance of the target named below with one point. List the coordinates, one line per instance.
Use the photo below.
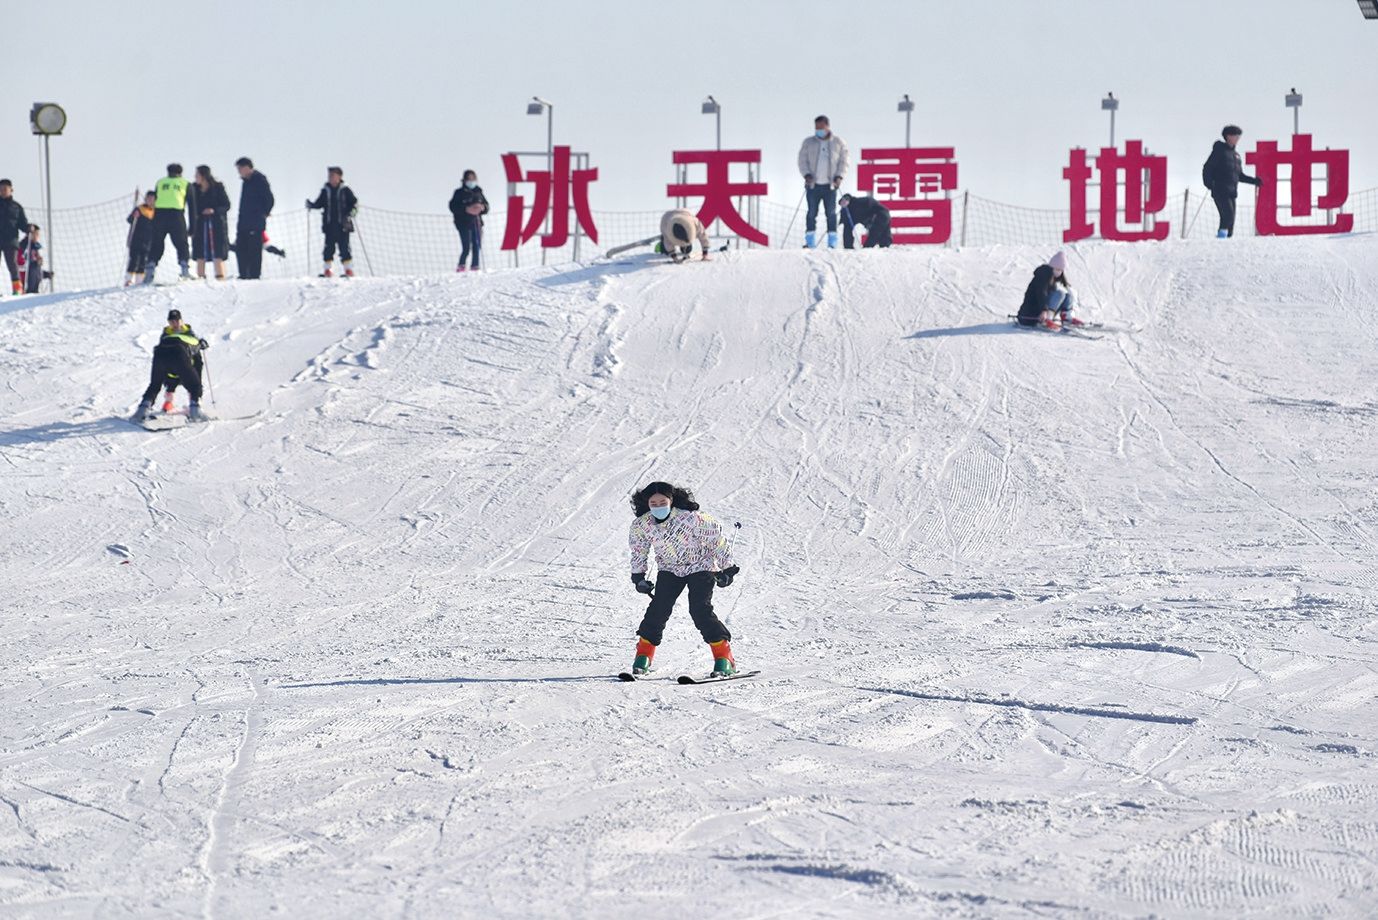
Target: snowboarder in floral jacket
(691, 551)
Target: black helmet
(173, 314)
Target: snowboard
(687, 679)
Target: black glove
(724, 578)
(642, 585)
(310, 204)
(203, 343)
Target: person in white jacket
(691, 551)
(823, 162)
(678, 230)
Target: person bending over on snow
(871, 214)
(678, 230)
(176, 360)
(691, 552)
(1049, 297)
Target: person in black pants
(871, 214)
(176, 360)
(337, 205)
(468, 206)
(255, 204)
(140, 222)
(209, 204)
(1222, 174)
(13, 220)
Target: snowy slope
(1049, 627)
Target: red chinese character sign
(718, 189)
(1138, 177)
(913, 181)
(1268, 160)
(554, 188)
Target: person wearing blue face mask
(468, 206)
(823, 162)
(691, 551)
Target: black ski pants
(168, 222)
(248, 251)
(470, 241)
(138, 259)
(11, 252)
(335, 235)
(668, 589)
(171, 366)
(1225, 206)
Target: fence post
(966, 200)
(1186, 206)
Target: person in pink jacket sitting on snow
(691, 551)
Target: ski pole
(367, 261)
(802, 195)
(210, 385)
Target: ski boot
(349, 273)
(327, 274)
(186, 272)
(461, 269)
(1070, 321)
(167, 401)
(348, 269)
(1222, 234)
(1049, 321)
(810, 240)
(724, 665)
(145, 411)
(832, 239)
(194, 413)
(645, 652)
(15, 287)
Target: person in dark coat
(1222, 174)
(1049, 297)
(255, 204)
(337, 205)
(31, 273)
(176, 362)
(210, 236)
(871, 214)
(468, 206)
(13, 221)
(140, 222)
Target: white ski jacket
(826, 153)
(685, 542)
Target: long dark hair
(679, 498)
(204, 172)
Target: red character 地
(1266, 159)
(1142, 178)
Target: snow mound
(1048, 625)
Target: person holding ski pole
(870, 213)
(176, 361)
(210, 238)
(678, 230)
(691, 551)
(468, 205)
(13, 221)
(823, 162)
(1049, 297)
(1222, 173)
(337, 205)
(140, 222)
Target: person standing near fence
(210, 226)
(823, 162)
(468, 206)
(140, 222)
(31, 273)
(13, 220)
(337, 205)
(170, 200)
(255, 204)
(1222, 174)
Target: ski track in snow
(1047, 627)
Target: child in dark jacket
(140, 222)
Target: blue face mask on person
(660, 514)
(470, 183)
(820, 132)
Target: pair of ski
(166, 421)
(686, 679)
(1084, 331)
(618, 250)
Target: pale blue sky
(405, 95)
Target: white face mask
(660, 514)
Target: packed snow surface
(1048, 626)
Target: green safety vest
(172, 193)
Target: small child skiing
(176, 361)
(691, 551)
(1048, 300)
(29, 258)
(140, 222)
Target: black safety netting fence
(87, 246)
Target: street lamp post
(907, 107)
(47, 119)
(1293, 102)
(1112, 105)
(714, 108)
(536, 106)
(1369, 8)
